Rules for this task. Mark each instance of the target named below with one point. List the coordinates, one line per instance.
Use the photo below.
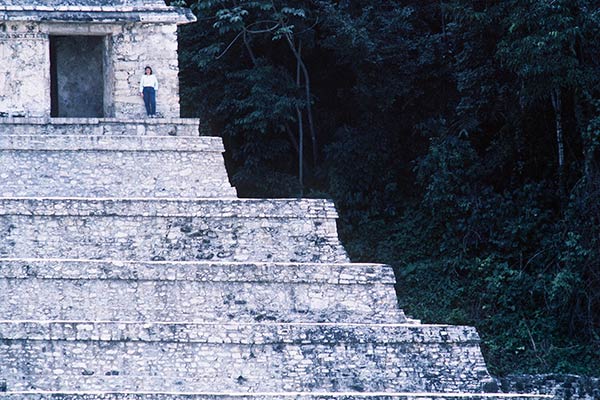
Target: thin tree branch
(307, 90)
(230, 45)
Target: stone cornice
(97, 14)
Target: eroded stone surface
(234, 230)
(112, 166)
(238, 357)
(24, 86)
(209, 271)
(171, 291)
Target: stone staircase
(130, 270)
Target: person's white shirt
(148, 80)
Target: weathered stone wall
(238, 357)
(24, 70)
(112, 166)
(134, 47)
(25, 66)
(163, 291)
(287, 230)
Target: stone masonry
(124, 282)
(129, 268)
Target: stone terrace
(265, 396)
(130, 270)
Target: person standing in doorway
(148, 89)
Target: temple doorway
(77, 73)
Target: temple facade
(84, 58)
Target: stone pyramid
(129, 269)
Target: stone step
(108, 166)
(283, 230)
(267, 396)
(111, 143)
(197, 291)
(99, 126)
(188, 357)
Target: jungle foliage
(459, 138)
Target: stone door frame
(97, 30)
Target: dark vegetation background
(459, 139)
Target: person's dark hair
(150, 68)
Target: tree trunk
(300, 151)
(557, 105)
(300, 131)
(248, 48)
(583, 125)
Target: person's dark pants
(150, 100)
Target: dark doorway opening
(77, 76)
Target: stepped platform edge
(171, 229)
(113, 166)
(265, 396)
(213, 271)
(100, 126)
(169, 207)
(197, 291)
(236, 357)
(121, 143)
(300, 333)
(92, 121)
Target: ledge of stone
(210, 271)
(96, 121)
(111, 143)
(97, 13)
(100, 126)
(148, 207)
(206, 292)
(335, 334)
(33, 395)
(83, 3)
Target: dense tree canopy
(460, 140)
